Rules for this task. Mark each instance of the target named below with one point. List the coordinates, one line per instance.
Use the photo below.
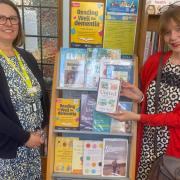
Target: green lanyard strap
(23, 73)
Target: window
(39, 21)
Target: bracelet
(141, 99)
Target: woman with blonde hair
(159, 120)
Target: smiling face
(8, 32)
(172, 36)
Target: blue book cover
(88, 104)
(126, 105)
(122, 6)
(120, 71)
(94, 58)
(122, 127)
(72, 67)
(101, 122)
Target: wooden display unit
(56, 93)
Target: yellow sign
(120, 35)
(86, 24)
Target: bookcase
(149, 22)
(56, 93)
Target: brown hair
(173, 13)
(20, 37)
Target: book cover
(63, 154)
(108, 95)
(103, 66)
(72, 67)
(92, 161)
(86, 24)
(94, 58)
(74, 73)
(88, 105)
(115, 153)
(77, 157)
(122, 71)
(122, 127)
(147, 46)
(101, 122)
(67, 113)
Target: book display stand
(85, 135)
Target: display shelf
(93, 133)
(58, 176)
(53, 133)
(76, 89)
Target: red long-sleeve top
(170, 119)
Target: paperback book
(72, 67)
(103, 66)
(101, 122)
(77, 157)
(63, 154)
(94, 58)
(67, 113)
(108, 95)
(122, 69)
(88, 105)
(92, 162)
(125, 126)
(115, 153)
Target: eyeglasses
(166, 7)
(14, 20)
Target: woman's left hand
(125, 116)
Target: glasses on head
(14, 20)
(166, 7)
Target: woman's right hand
(130, 91)
(34, 140)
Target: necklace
(22, 73)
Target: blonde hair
(173, 13)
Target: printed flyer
(120, 26)
(86, 24)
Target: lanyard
(23, 73)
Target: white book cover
(92, 159)
(104, 63)
(108, 95)
(74, 73)
(147, 46)
(77, 156)
(115, 154)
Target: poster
(120, 26)
(86, 24)
(122, 7)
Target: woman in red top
(167, 120)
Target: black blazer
(12, 134)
